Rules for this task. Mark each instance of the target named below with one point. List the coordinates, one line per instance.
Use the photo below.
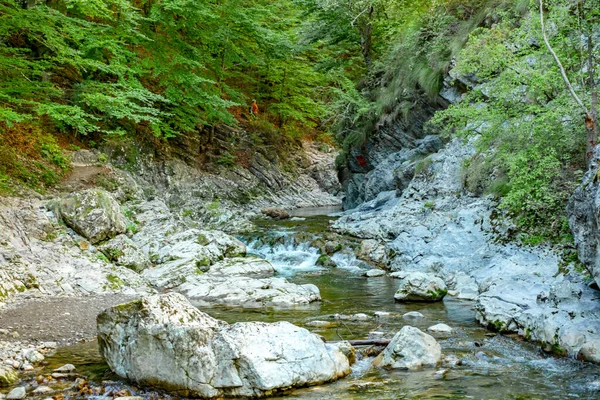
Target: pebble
(43, 390)
(440, 328)
(320, 324)
(33, 356)
(4, 332)
(65, 368)
(17, 393)
(376, 335)
(60, 375)
(451, 360)
(382, 314)
(130, 398)
(359, 317)
(413, 314)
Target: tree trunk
(366, 37)
(591, 118)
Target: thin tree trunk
(591, 118)
(591, 125)
(367, 37)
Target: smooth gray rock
(17, 393)
(410, 349)
(417, 286)
(94, 214)
(165, 342)
(440, 328)
(413, 315)
(372, 273)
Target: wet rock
(372, 273)
(325, 261)
(65, 368)
(413, 315)
(382, 314)
(42, 390)
(122, 251)
(418, 286)
(94, 214)
(166, 342)
(373, 251)
(347, 349)
(452, 360)
(441, 374)
(275, 213)
(410, 349)
(8, 376)
(590, 351)
(17, 393)
(320, 324)
(440, 328)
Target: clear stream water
(493, 366)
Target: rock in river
(275, 213)
(418, 286)
(163, 341)
(410, 349)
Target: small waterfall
(289, 257)
(286, 256)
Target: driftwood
(367, 342)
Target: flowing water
(492, 366)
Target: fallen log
(365, 342)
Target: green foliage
(530, 133)
(226, 160)
(113, 67)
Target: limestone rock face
(94, 214)
(418, 286)
(583, 213)
(410, 349)
(165, 342)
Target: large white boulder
(93, 213)
(163, 341)
(410, 349)
(418, 286)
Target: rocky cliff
(435, 226)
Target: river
(492, 366)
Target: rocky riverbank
(108, 234)
(434, 225)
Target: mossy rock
(8, 376)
